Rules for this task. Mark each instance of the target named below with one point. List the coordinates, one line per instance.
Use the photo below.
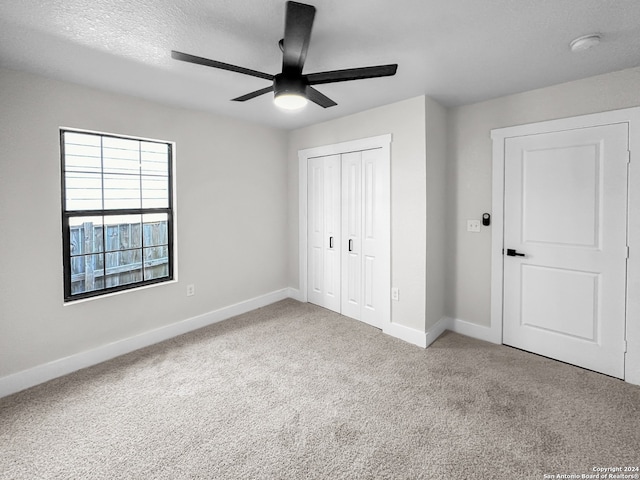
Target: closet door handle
(330, 242)
(351, 245)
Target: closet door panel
(315, 230)
(352, 234)
(323, 200)
(348, 234)
(375, 242)
(332, 226)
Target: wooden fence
(111, 255)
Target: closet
(348, 233)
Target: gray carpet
(293, 391)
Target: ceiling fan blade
(297, 33)
(352, 74)
(316, 97)
(185, 57)
(255, 94)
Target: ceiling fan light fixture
(290, 101)
(289, 91)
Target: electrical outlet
(473, 225)
(395, 294)
(191, 290)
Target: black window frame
(68, 214)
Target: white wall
(469, 172)
(406, 122)
(231, 212)
(436, 136)
(237, 206)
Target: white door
(375, 239)
(323, 232)
(348, 234)
(352, 234)
(565, 217)
(365, 233)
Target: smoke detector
(585, 42)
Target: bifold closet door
(348, 237)
(365, 233)
(352, 234)
(323, 232)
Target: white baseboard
(424, 339)
(295, 294)
(438, 329)
(474, 330)
(42, 373)
(408, 334)
(417, 337)
(33, 376)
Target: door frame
(381, 141)
(630, 116)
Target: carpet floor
(293, 391)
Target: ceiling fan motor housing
(288, 85)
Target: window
(117, 215)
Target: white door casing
(627, 116)
(565, 210)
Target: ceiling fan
(291, 87)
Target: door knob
(512, 253)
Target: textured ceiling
(456, 51)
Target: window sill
(121, 292)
